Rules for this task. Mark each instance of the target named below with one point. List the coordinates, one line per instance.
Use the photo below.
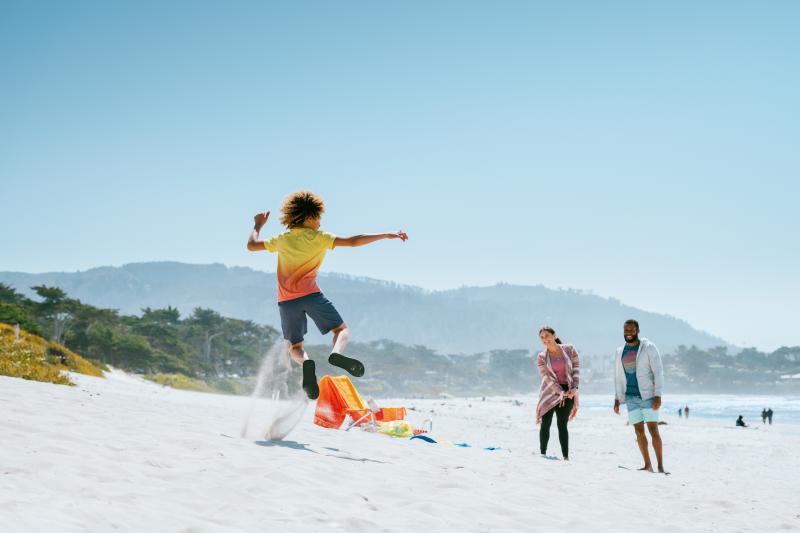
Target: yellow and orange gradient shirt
(300, 254)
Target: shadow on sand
(291, 444)
(294, 445)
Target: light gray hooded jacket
(649, 371)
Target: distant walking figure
(769, 415)
(686, 411)
(559, 366)
(638, 380)
(680, 412)
(740, 422)
(763, 416)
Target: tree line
(208, 346)
(204, 344)
(718, 370)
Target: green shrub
(32, 357)
(216, 385)
(179, 381)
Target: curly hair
(299, 207)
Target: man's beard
(632, 338)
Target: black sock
(310, 379)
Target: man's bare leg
(657, 446)
(641, 440)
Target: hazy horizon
(428, 289)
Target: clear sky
(642, 150)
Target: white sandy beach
(121, 454)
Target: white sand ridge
(123, 454)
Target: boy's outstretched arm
(361, 240)
(253, 244)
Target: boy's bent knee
(340, 328)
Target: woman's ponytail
(550, 330)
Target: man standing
(638, 380)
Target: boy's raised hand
(402, 235)
(261, 219)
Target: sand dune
(123, 454)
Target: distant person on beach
(680, 412)
(769, 415)
(763, 416)
(638, 380)
(686, 411)
(559, 366)
(740, 422)
(301, 249)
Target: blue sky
(646, 151)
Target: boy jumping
(301, 250)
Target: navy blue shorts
(294, 322)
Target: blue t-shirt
(629, 365)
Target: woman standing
(559, 366)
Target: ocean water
(786, 409)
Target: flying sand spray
(274, 411)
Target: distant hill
(467, 320)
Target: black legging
(562, 417)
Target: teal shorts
(640, 410)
